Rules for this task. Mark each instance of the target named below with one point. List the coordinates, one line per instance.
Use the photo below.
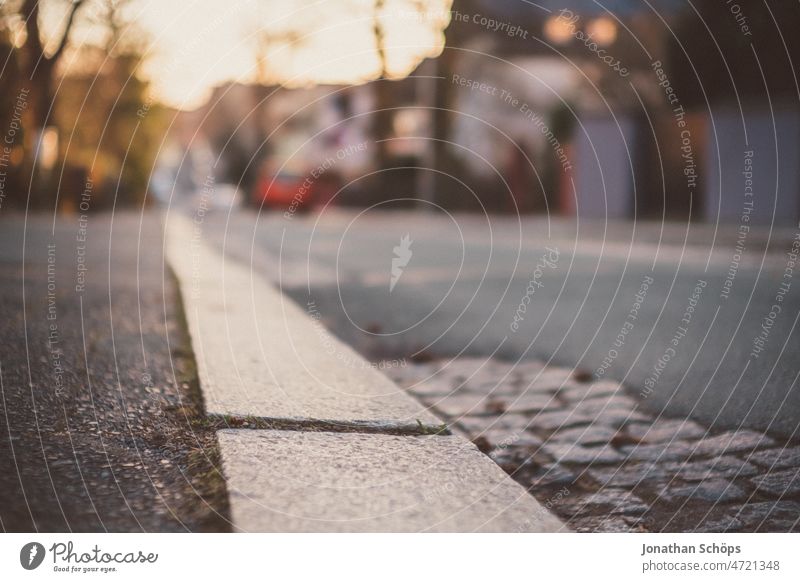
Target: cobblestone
(733, 442)
(601, 463)
(722, 524)
(513, 422)
(674, 451)
(560, 419)
(617, 501)
(777, 458)
(727, 467)
(576, 454)
(600, 524)
(599, 389)
(586, 435)
(629, 475)
(779, 516)
(779, 484)
(665, 430)
(712, 490)
(618, 402)
(553, 475)
(529, 402)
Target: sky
(198, 44)
(195, 45)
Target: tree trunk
(39, 73)
(381, 127)
(442, 122)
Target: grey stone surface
(563, 453)
(770, 516)
(511, 422)
(260, 354)
(529, 402)
(616, 501)
(599, 389)
(585, 435)
(674, 451)
(782, 458)
(529, 378)
(603, 524)
(779, 483)
(733, 442)
(526, 369)
(614, 411)
(713, 490)
(664, 430)
(473, 404)
(460, 404)
(619, 402)
(629, 475)
(727, 467)
(615, 417)
(557, 419)
(289, 481)
(600, 440)
(721, 524)
(503, 438)
(431, 387)
(553, 474)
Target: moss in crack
(441, 429)
(206, 481)
(229, 421)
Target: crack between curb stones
(233, 421)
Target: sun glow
(197, 45)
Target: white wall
(603, 178)
(776, 187)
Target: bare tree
(40, 67)
(267, 41)
(382, 116)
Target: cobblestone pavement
(591, 455)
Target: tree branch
(76, 4)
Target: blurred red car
(295, 192)
(284, 191)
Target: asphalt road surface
(696, 320)
(100, 413)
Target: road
(695, 320)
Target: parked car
(293, 191)
(284, 191)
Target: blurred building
(657, 103)
(619, 110)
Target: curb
(325, 425)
